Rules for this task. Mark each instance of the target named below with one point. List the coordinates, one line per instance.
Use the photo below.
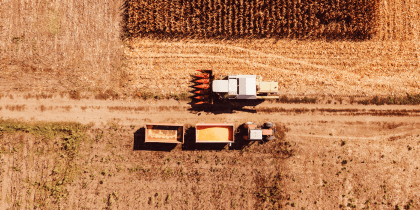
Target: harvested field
(60, 45)
(301, 67)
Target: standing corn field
(331, 19)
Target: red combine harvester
(203, 86)
(233, 87)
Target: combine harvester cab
(214, 133)
(233, 87)
(164, 133)
(245, 87)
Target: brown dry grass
(145, 108)
(75, 94)
(18, 108)
(108, 94)
(128, 108)
(75, 42)
(341, 112)
(66, 108)
(38, 96)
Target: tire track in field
(291, 60)
(359, 66)
(332, 137)
(251, 63)
(332, 77)
(388, 137)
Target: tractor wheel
(270, 138)
(268, 124)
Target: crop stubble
(314, 67)
(59, 44)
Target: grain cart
(214, 133)
(260, 133)
(164, 133)
(233, 87)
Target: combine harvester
(234, 87)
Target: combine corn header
(234, 87)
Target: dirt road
(138, 112)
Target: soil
(322, 159)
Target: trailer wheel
(270, 138)
(268, 124)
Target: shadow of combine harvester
(204, 99)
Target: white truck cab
(245, 87)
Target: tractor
(259, 133)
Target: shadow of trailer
(164, 133)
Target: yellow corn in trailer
(214, 133)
